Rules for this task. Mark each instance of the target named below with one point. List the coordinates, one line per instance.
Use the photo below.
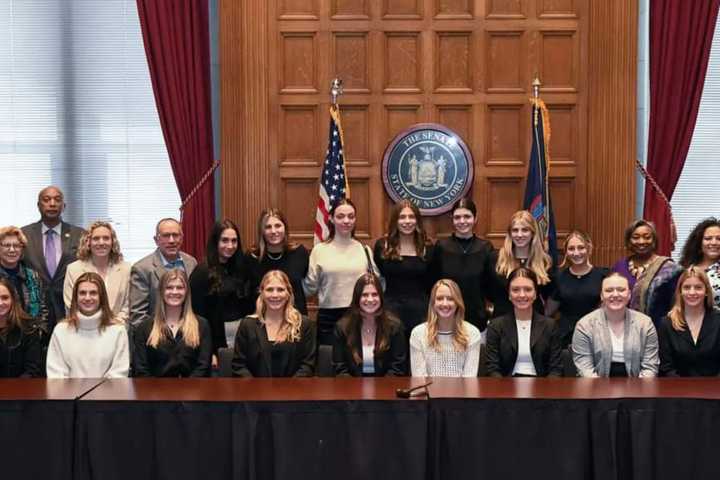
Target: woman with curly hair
(99, 252)
(219, 285)
(445, 345)
(277, 340)
(702, 249)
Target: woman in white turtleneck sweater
(335, 266)
(89, 343)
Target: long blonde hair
(460, 336)
(189, 325)
(677, 312)
(289, 330)
(538, 261)
(584, 238)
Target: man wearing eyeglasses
(146, 273)
(52, 246)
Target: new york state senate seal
(429, 165)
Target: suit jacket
(681, 357)
(117, 285)
(392, 362)
(144, 280)
(502, 346)
(252, 355)
(35, 256)
(592, 345)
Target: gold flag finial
(536, 88)
(336, 89)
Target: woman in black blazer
(20, 348)
(276, 341)
(690, 334)
(175, 342)
(368, 341)
(523, 343)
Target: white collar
(57, 228)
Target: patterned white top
(713, 273)
(426, 361)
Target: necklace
(271, 257)
(580, 274)
(637, 269)
(468, 241)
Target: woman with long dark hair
(219, 285)
(273, 250)
(175, 342)
(702, 249)
(404, 258)
(369, 342)
(20, 348)
(335, 266)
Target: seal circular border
(428, 126)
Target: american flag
(333, 180)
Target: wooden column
(244, 92)
(612, 124)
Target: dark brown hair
(107, 317)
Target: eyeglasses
(11, 246)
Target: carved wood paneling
(506, 9)
(349, 9)
(299, 149)
(403, 62)
(454, 9)
(351, 61)
(506, 128)
(556, 9)
(454, 64)
(506, 57)
(558, 61)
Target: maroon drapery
(681, 34)
(177, 45)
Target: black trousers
(326, 320)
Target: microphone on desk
(407, 392)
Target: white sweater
(86, 352)
(426, 361)
(334, 268)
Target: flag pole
(336, 89)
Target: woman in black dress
(20, 348)
(690, 334)
(403, 256)
(175, 342)
(467, 260)
(368, 341)
(277, 340)
(220, 286)
(274, 251)
(577, 286)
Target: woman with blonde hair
(175, 342)
(273, 250)
(276, 341)
(523, 247)
(577, 285)
(690, 334)
(89, 343)
(445, 345)
(99, 252)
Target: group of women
(407, 306)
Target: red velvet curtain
(177, 45)
(681, 34)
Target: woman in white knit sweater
(335, 266)
(445, 345)
(89, 343)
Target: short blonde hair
(13, 231)
(84, 252)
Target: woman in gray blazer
(614, 341)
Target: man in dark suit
(145, 274)
(52, 246)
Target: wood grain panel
(299, 135)
(562, 193)
(503, 197)
(556, 9)
(454, 9)
(506, 56)
(300, 215)
(299, 67)
(458, 118)
(506, 128)
(558, 65)
(351, 61)
(402, 9)
(356, 133)
(299, 9)
(506, 9)
(398, 118)
(403, 62)
(453, 62)
(563, 141)
(350, 9)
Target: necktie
(50, 253)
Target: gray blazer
(144, 280)
(592, 345)
(35, 256)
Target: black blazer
(35, 256)
(252, 356)
(680, 357)
(392, 362)
(172, 357)
(21, 353)
(502, 346)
